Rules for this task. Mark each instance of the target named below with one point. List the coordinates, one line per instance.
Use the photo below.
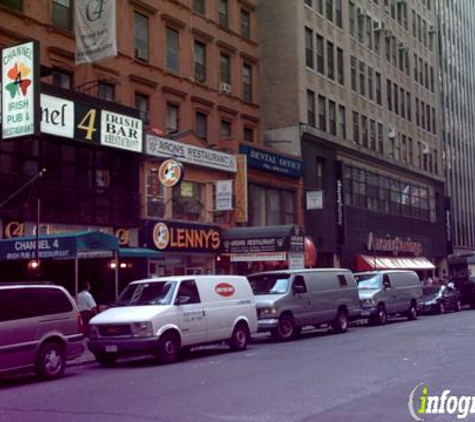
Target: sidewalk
(86, 358)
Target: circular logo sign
(161, 236)
(224, 289)
(170, 173)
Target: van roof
(384, 272)
(305, 270)
(188, 277)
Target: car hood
(366, 293)
(128, 314)
(430, 298)
(263, 301)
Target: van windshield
(270, 284)
(368, 281)
(153, 293)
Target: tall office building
(456, 42)
(351, 86)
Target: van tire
(412, 312)
(380, 317)
(106, 359)
(285, 331)
(51, 361)
(240, 337)
(169, 347)
(340, 323)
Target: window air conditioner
(225, 88)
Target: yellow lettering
(88, 123)
(189, 238)
(216, 241)
(123, 235)
(14, 229)
(181, 238)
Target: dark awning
(61, 245)
(366, 262)
(139, 253)
(263, 239)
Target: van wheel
(168, 347)
(105, 359)
(381, 317)
(285, 331)
(240, 338)
(51, 361)
(412, 313)
(340, 323)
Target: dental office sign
(20, 90)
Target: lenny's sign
(169, 236)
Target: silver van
(290, 299)
(390, 292)
(40, 329)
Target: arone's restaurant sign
(394, 245)
(170, 236)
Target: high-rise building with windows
(351, 86)
(456, 43)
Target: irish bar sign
(20, 90)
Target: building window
(247, 81)
(141, 103)
(353, 65)
(225, 68)
(352, 19)
(342, 121)
(154, 194)
(199, 6)
(13, 4)
(311, 108)
(270, 206)
(245, 23)
(201, 125)
(62, 79)
(308, 47)
(332, 117)
(62, 14)
(417, 112)
(248, 134)
(379, 99)
(319, 166)
(364, 131)
(362, 78)
(106, 91)
(402, 99)
(173, 118)
(389, 94)
(200, 62)
(188, 201)
(320, 59)
(322, 113)
(226, 129)
(329, 10)
(396, 101)
(372, 135)
(380, 138)
(141, 36)
(356, 128)
(319, 6)
(224, 13)
(172, 60)
(308, 3)
(408, 107)
(330, 60)
(411, 154)
(338, 14)
(340, 68)
(370, 84)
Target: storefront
(187, 248)
(251, 249)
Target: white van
(160, 316)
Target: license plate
(111, 348)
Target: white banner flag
(95, 30)
(224, 195)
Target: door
(390, 295)
(301, 302)
(192, 318)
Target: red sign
(224, 289)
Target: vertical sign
(448, 225)
(224, 195)
(240, 186)
(94, 27)
(20, 88)
(340, 204)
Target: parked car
(290, 299)
(439, 299)
(388, 292)
(461, 274)
(40, 329)
(160, 316)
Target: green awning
(139, 253)
(62, 245)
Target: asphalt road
(364, 375)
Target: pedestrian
(87, 305)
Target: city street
(364, 375)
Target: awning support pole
(116, 275)
(76, 277)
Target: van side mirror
(298, 289)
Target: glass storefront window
(188, 201)
(154, 194)
(269, 206)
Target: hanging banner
(224, 195)
(240, 186)
(340, 204)
(20, 88)
(95, 30)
